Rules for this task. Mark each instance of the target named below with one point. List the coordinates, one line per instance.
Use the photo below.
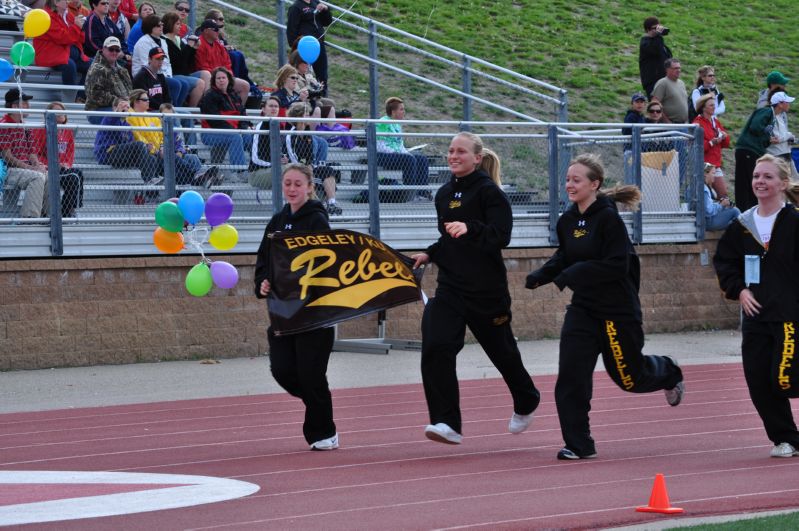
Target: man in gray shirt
(670, 92)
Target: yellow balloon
(224, 237)
(37, 22)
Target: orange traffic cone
(659, 500)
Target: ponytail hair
(305, 170)
(490, 162)
(625, 194)
(784, 173)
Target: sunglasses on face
(143, 99)
(295, 78)
(220, 19)
(183, 9)
(656, 111)
(114, 50)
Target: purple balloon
(224, 274)
(218, 209)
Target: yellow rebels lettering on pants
(618, 355)
(788, 348)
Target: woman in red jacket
(60, 47)
(716, 138)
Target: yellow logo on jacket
(454, 204)
(579, 233)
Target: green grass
(782, 522)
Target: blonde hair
(625, 194)
(707, 168)
(490, 162)
(305, 170)
(285, 72)
(784, 173)
(702, 72)
(52, 105)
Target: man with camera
(652, 54)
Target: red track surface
(712, 450)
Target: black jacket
(312, 216)
(597, 261)
(777, 292)
(182, 59)
(304, 20)
(156, 86)
(472, 265)
(223, 103)
(652, 54)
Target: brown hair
(392, 104)
(784, 173)
(169, 20)
(305, 170)
(227, 72)
(489, 162)
(295, 59)
(134, 95)
(283, 74)
(149, 23)
(52, 105)
(650, 22)
(702, 72)
(625, 194)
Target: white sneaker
(519, 423)
(326, 444)
(784, 450)
(674, 395)
(442, 433)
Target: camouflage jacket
(104, 82)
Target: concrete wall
(69, 312)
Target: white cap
(780, 97)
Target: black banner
(322, 278)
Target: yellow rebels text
(788, 349)
(618, 355)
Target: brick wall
(69, 312)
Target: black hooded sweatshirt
(472, 265)
(311, 216)
(597, 261)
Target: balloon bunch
(181, 215)
(22, 54)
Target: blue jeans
(186, 167)
(177, 91)
(95, 120)
(319, 149)
(723, 218)
(414, 166)
(234, 144)
(188, 83)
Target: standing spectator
(106, 80)
(237, 60)
(119, 149)
(706, 84)
(768, 296)
(775, 82)
(24, 170)
(753, 142)
(475, 223)
(652, 54)
(287, 93)
(261, 153)
(183, 9)
(71, 179)
(152, 81)
(635, 114)
(781, 103)
(145, 10)
(299, 361)
(715, 139)
(596, 260)
(212, 54)
(392, 153)
(61, 47)
(222, 100)
(719, 213)
(310, 17)
(119, 18)
(670, 91)
(98, 28)
(76, 8)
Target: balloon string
(195, 238)
(337, 19)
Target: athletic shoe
(675, 394)
(784, 450)
(333, 209)
(567, 455)
(330, 443)
(207, 177)
(519, 423)
(155, 181)
(442, 433)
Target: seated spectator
(71, 179)
(715, 139)
(120, 150)
(118, 18)
(76, 8)
(61, 47)
(145, 10)
(718, 213)
(153, 31)
(392, 153)
(343, 140)
(211, 54)
(287, 93)
(98, 28)
(188, 166)
(261, 152)
(310, 17)
(237, 60)
(307, 80)
(24, 170)
(311, 151)
(183, 8)
(128, 8)
(106, 80)
(222, 100)
(181, 59)
(152, 81)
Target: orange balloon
(168, 242)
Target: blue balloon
(192, 206)
(309, 47)
(6, 70)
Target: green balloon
(22, 53)
(199, 281)
(169, 217)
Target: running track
(712, 450)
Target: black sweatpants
(765, 348)
(299, 364)
(443, 330)
(582, 339)
(745, 162)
